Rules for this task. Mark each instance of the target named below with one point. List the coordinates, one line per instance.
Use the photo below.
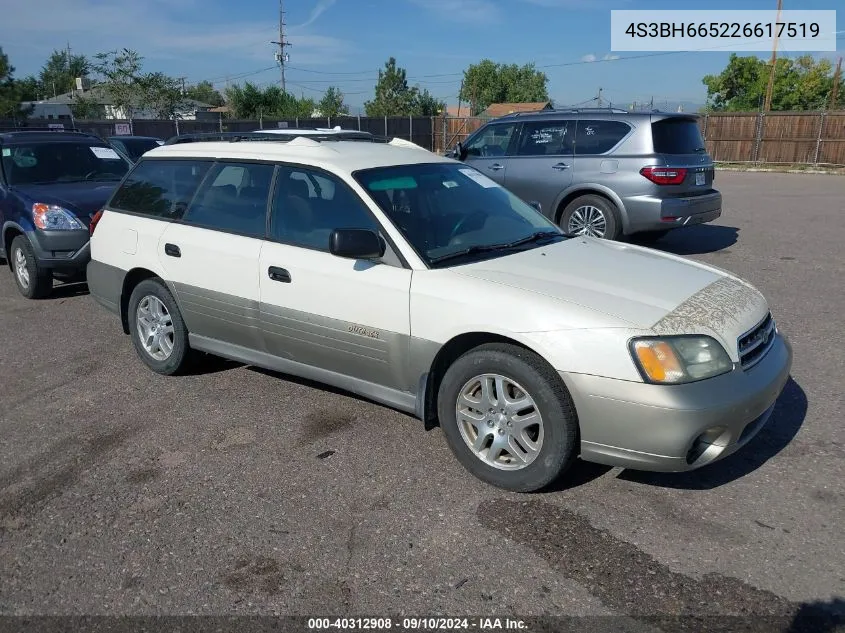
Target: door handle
(172, 250)
(279, 274)
(560, 166)
(496, 167)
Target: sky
(345, 42)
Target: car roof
(122, 137)
(596, 113)
(60, 136)
(334, 155)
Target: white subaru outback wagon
(417, 282)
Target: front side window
(491, 141)
(160, 188)
(546, 138)
(52, 162)
(233, 198)
(309, 205)
(450, 212)
(599, 137)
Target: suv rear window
(677, 136)
(45, 163)
(160, 188)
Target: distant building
(495, 110)
(458, 110)
(60, 107)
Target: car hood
(641, 287)
(84, 199)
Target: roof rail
(569, 111)
(236, 137)
(72, 130)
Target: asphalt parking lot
(241, 491)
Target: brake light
(94, 219)
(665, 175)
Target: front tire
(32, 281)
(157, 329)
(508, 418)
(591, 215)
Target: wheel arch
(448, 353)
(587, 190)
(130, 280)
(10, 231)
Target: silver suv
(601, 172)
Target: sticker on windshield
(105, 152)
(7, 151)
(480, 178)
(449, 184)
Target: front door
(488, 151)
(344, 316)
(543, 163)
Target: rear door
(678, 143)
(543, 161)
(211, 256)
(489, 150)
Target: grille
(754, 345)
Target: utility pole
(182, 79)
(771, 86)
(837, 76)
(599, 98)
(281, 56)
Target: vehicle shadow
(580, 474)
(696, 240)
(209, 364)
(782, 427)
(819, 617)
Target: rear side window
(546, 138)
(160, 188)
(677, 136)
(234, 199)
(599, 137)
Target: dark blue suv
(51, 186)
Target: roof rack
(570, 111)
(236, 137)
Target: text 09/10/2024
(722, 31)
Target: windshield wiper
(534, 237)
(471, 250)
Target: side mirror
(460, 151)
(356, 244)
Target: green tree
(802, 83)
(204, 92)
(160, 94)
(29, 89)
(428, 105)
(487, 82)
(87, 108)
(332, 105)
(394, 97)
(120, 72)
(10, 97)
(59, 73)
(251, 102)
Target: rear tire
(508, 417)
(157, 329)
(592, 215)
(32, 281)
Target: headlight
(679, 359)
(53, 218)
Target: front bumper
(650, 213)
(676, 428)
(62, 250)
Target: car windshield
(136, 147)
(54, 162)
(453, 214)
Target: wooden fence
(809, 138)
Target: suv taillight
(94, 219)
(665, 175)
